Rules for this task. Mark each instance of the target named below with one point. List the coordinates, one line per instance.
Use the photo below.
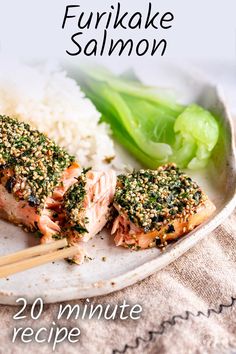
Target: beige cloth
(203, 281)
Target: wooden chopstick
(25, 264)
(33, 251)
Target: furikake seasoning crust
(74, 204)
(151, 198)
(36, 162)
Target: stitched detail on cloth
(172, 322)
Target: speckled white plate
(61, 281)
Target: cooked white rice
(52, 102)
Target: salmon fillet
(39, 182)
(34, 174)
(154, 207)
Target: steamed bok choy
(152, 127)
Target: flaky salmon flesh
(38, 186)
(25, 212)
(87, 204)
(156, 207)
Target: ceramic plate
(61, 281)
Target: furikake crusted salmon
(34, 175)
(41, 187)
(156, 206)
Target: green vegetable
(150, 125)
(197, 133)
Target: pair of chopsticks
(35, 256)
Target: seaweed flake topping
(35, 161)
(151, 198)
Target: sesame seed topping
(32, 162)
(164, 194)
